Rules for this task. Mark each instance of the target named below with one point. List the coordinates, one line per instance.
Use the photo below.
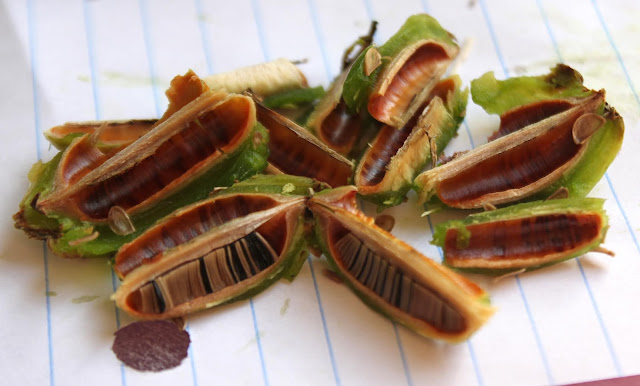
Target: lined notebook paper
(113, 59)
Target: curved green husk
(455, 110)
(529, 209)
(296, 98)
(499, 96)
(358, 86)
(248, 159)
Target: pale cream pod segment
(263, 78)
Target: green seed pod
(568, 139)
(387, 169)
(413, 60)
(211, 142)
(225, 248)
(393, 278)
(524, 236)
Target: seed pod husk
(523, 236)
(331, 121)
(293, 150)
(528, 163)
(414, 59)
(387, 169)
(393, 278)
(240, 153)
(228, 247)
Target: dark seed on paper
(151, 345)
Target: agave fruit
(570, 137)
(393, 278)
(227, 247)
(387, 169)
(524, 236)
(411, 64)
(212, 141)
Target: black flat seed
(205, 277)
(161, 303)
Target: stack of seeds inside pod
(173, 201)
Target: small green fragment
(285, 306)
(84, 299)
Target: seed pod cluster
(172, 198)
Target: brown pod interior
(292, 151)
(389, 283)
(416, 72)
(185, 226)
(340, 129)
(514, 168)
(529, 238)
(215, 271)
(80, 158)
(211, 134)
(523, 116)
(390, 140)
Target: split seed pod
(387, 169)
(293, 150)
(393, 278)
(524, 236)
(228, 247)
(211, 142)
(532, 161)
(414, 59)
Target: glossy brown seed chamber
(159, 162)
(516, 165)
(391, 142)
(407, 81)
(185, 225)
(523, 242)
(523, 116)
(111, 134)
(293, 150)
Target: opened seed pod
(413, 60)
(225, 248)
(211, 142)
(393, 278)
(293, 150)
(533, 160)
(387, 169)
(524, 236)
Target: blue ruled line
(88, 21)
(313, 12)
(37, 127)
(534, 328)
(144, 16)
(324, 323)
(257, 17)
(204, 35)
(405, 365)
(592, 298)
(257, 331)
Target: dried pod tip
(585, 126)
(604, 250)
(119, 221)
(509, 274)
(372, 60)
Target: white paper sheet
(81, 60)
